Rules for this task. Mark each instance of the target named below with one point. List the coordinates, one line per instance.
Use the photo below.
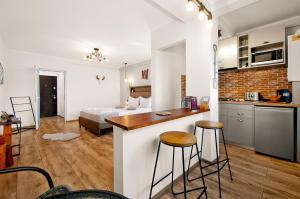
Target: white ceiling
(177, 8)
(72, 28)
(121, 28)
(259, 13)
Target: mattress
(99, 114)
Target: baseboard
(76, 120)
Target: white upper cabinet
(294, 58)
(228, 53)
(269, 35)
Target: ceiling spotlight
(210, 21)
(201, 15)
(190, 6)
(203, 11)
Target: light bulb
(107, 60)
(210, 23)
(201, 15)
(85, 58)
(101, 61)
(190, 6)
(93, 56)
(125, 80)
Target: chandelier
(203, 11)
(96, 54)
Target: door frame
(37, 93)
(49, 105)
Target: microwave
(272, 56)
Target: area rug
(60, 136)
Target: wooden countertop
(130, 122)
(272, 104)
(277, 104)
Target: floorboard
(87, 163)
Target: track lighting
(203, 11)
(190, 6)
(210, 21)
(201, 15)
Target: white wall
(134, 73)
(2, 86)
(173, 66)
(3, 64)
(199, 40)
(82, 88)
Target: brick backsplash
(234, 84)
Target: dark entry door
(48, 94)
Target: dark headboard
(140, 91)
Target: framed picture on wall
(1, 74)
(145, 74)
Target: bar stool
(204, 124)
(182, 140)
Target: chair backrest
(82, 194)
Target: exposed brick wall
(183, 86)
(234, 84)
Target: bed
(93, 119)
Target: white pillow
(145, 102)
(133, 101)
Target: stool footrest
(162, 179)
(190, 190)
(213, 172)
(214, 163)
(196, 154)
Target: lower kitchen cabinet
(239, 123)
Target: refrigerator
(293, 57)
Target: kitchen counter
(136, 139)
(271, 104)
(131, 122)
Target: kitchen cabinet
(239, 123)
(228, 53)
(269, 35)
(294, 58)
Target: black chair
(62, 191)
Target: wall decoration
(145, 74)
(100, 78)
(1, 74)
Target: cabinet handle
(266, 42)
(240, 120)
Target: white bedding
(99, 114)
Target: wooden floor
(86, 163)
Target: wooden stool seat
(178, 139)
(209, 124)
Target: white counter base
(135, 153)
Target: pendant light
(125, 79)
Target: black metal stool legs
(217, 163)
(183, 167)
(152, 184)
(218, 167)
(191, 156)
(185, 191)
(226, 154)
(173, 159)
(199, 159)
